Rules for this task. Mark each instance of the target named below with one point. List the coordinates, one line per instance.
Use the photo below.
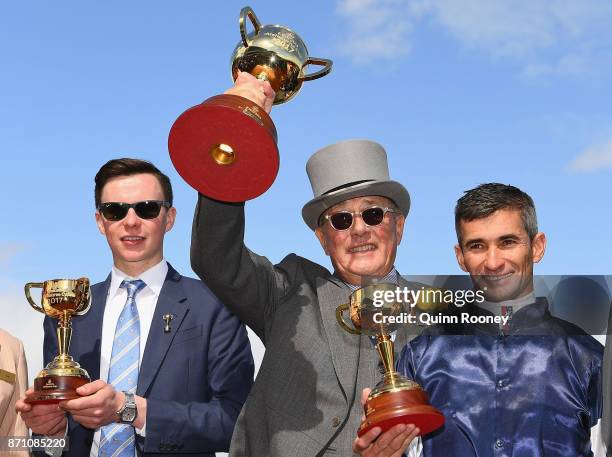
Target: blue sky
(458, 92)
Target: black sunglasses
(148, 209)
(343, 220)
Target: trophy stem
(385, 350)
(64, 335)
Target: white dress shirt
(146, 300)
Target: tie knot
(133, 287)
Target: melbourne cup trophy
(226, 148)
(61, 299)
(395, 399)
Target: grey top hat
(349, 169)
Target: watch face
(128, 414)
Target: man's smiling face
(362, 250)
(136, 243)
(497, 253)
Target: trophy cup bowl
(395, 399)
(60, 299)
(225, 148)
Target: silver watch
(128, 412)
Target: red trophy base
(225, 148)
(53, 389)
(409, 406)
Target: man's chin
(499, 294)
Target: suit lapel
(172, 300)
(91, 324)
(344, 347)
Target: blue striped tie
(117, 440)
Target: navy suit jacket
(195, 378)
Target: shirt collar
(390, 277)
(154, 278)
(516, 304)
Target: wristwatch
(128, 412)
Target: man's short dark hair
(127, 167)
(484, 200)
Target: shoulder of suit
(295, 264)
(9, 341)
(197, 289)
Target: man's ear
(538, 246)
(100, 223)
(400, 220)
(321, 236)
(170, 218)
(460, 258)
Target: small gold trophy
(226, 147)
(61, 299)
(395, 399)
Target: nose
(494, 262)
(131, 219)
(359, 227)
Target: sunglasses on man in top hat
(343, 220)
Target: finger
(364, 395)
(21, 406)
(91, 387)
(80, 404)
(362, 443)
(100, 392)
(56, 426)
(37, 421)
(244, 77)
(267, 89)
(415, 432)
(41, 410)
(392, 438)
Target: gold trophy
(395, 399)
(226, 147)
(61, 299)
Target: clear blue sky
(459, 93)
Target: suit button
(336, 421)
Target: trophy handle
(340, 318)
(244, 12)
(327, 66)
(84, 296)
(86, 308)
(27, 288)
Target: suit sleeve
(248, 284)
(207, 426)
(20, 388)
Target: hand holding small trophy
(395, 399)
(226, 148)
(61, 299)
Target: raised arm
(248, 284)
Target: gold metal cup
(276, 54)
(395, 399)
(226, 147)
(61, 299)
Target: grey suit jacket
(305, 401)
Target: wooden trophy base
(410, 406)
(54, 389)
(225, 148)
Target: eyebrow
(367, 203)
(509, 236)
